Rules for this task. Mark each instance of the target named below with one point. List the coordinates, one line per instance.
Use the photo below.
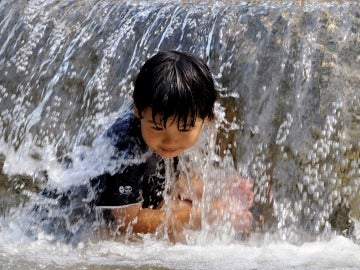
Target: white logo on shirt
(125, 189)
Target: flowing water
(288, 116)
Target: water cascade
(288, 117)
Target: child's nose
(169, 138)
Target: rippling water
(338, 253)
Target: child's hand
(233, 205)
(177, 208)
(240, 192)
(225, 211)
(180, 215)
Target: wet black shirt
(68, 216)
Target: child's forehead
(160, 118)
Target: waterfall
(288, 116)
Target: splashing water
(287, 118)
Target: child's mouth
(168, 150)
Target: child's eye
(185, 129)
(157, 128)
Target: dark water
(288, 75)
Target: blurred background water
(288, 74)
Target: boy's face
(170, 141)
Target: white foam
(338, 253)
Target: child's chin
(168, 154)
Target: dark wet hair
(176, 84)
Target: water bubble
(354, 164)
(347, 190)
(311, 189)
(300, 187)
(339, 182)
(343, 149)
(317, 228)
(263, 199)
(306, 180)
(298, 206)
(344, 162)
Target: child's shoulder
(121, 125)
(125, 132)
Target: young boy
(174, 96)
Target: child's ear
(136, 112)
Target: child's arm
(147, 220)
(185, 211)
(141, 220)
